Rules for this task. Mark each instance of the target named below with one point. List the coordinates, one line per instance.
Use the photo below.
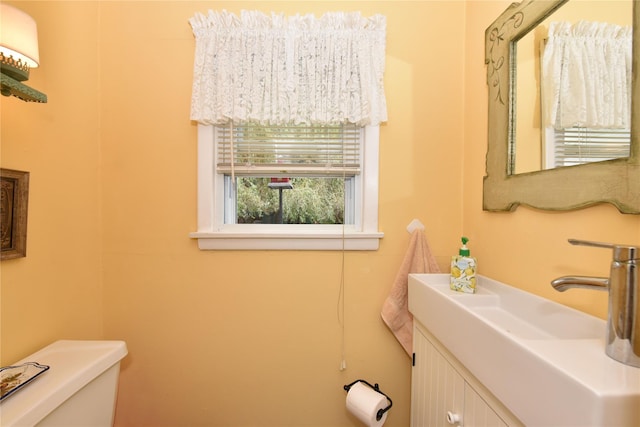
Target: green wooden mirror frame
(574, 187)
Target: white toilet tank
(78, 390)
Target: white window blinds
(575, 145)
(321, 150)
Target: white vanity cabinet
(543, 361)
(444, 393)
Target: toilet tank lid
(73, 364)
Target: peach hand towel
(395, 310)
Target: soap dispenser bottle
(463, 270)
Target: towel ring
(380, 412)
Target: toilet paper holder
(381, 412)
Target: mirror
(532, 148)
(565, 188)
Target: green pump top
(464, 251)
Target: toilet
(78, 390)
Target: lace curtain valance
(586, 75)
(298, 69)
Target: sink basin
(546, 362)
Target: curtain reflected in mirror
(573, 87)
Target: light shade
(18, 36)
(18, 53)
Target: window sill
(300, 240)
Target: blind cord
(233, 160)
(341, 296)
(341, 305)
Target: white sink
(546, 362)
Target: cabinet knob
(453, 418)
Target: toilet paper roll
(364, 402)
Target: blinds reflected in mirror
(577, 145)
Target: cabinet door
(437, 389)
(477, 412)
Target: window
(242, 173)
(270, 69)
(288, 174)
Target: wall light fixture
(18, 53)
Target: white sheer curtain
(586, 75)
(298, 69)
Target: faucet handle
(621, 253)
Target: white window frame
(214, 234)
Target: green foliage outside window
(310, 201)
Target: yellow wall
(219, 338)
(249, 338)
(252, 338)
(56, 291)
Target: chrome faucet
(623, 323)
